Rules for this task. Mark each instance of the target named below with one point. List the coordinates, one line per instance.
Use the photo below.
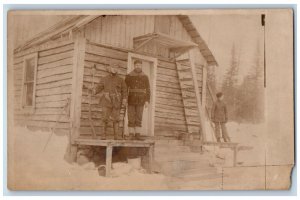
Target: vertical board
(119, 31)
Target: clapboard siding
(53, 86)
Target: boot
(116, 130)
(219, 140)
(131, 133)
(104, 130)
(138, 133)
(138, 136)
(131, 136)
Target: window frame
(24, 108)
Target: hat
(113, 68)
(219, 94)
(137, 62)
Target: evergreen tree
(230, 86)
(251, 93)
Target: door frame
(153, 84)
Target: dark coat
(138, 88)
(219, 112)
(112, 91)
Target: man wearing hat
(138, 97)
(219, 117)
(113, 93)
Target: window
(29, 74)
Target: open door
(149, 67)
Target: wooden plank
(58, 77)
(47, 111)
(54, 104)
(59, 90)
(161, 87)
(171, 79)
(110, 53)
(168, 111)
(77, 81)
(54, 84)
(176, 103)
(57, 50)
(168, 95)
(203, 91)
(17, 61)
(169, 115)
(47, 118)
(169, 72)
(18, 66)
(54, 71)
(85, 107)
(109, 150)
(46, 46)
(50, 98)
(166, 84)
(66, 61)
(94, 115)
(165, 64)
(56, 57)
(43, 123)
(169, 121)
(169, 107)
(104, 60)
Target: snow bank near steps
(31, 168)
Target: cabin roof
(73, 23)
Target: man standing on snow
(220, 118)
(138, 98)
(113, 93)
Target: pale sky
(221, 32)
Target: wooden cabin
(52, 70)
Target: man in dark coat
(138, 97)
(113, 93)
(220, 118)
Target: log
(66, 61)
(54, 58)
(43, 124)
(176, 103)
(55, 78)
(162, 120)
(18, 66)
(47, 111)
(105, 62)
(50, 98)
(54, 71)
(162, 88)
(169, 72)
(58, 90)
(47, 118)
(169, 115)
(54, 84)
(54, 104)
(165, 64)
(111, 53)
(56, 50)
(41, 48)
(170, 79)
(98, 59)
(168, 95)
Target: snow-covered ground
(47, 170)
(250, 138)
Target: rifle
(124, 108)
(90, 103)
